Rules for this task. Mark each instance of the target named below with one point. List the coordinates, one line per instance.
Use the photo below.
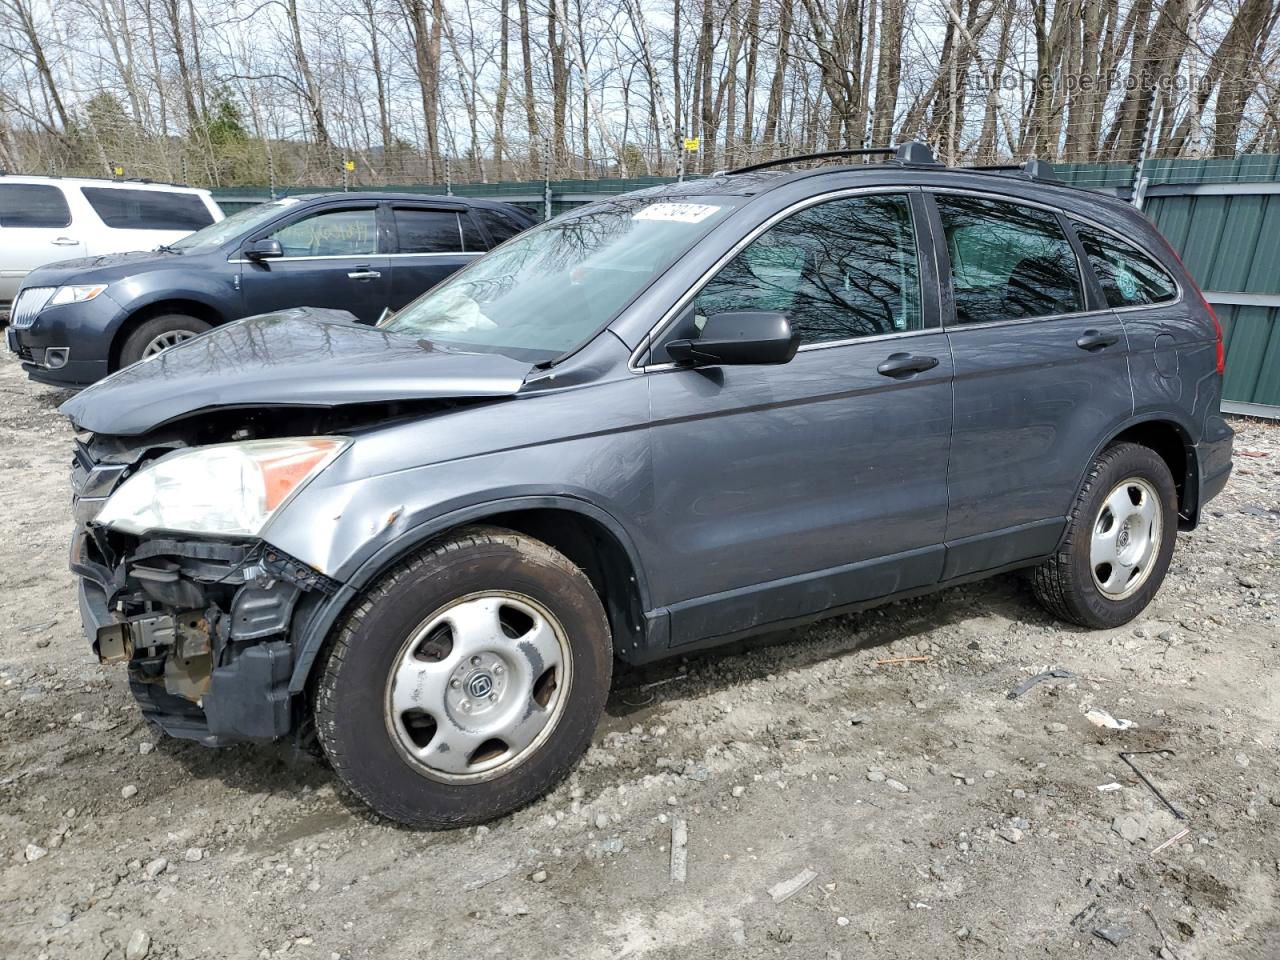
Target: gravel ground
(929, 814)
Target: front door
(331, 259)
(1041, 370)
(783, 491)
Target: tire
(172, 325)
(406, 748)
(1101, 595)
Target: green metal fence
(1222, 215)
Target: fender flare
(1191, 480)
(309, 636)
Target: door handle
(901, 365)
(1093, 340)
(364, 274)
(65, 242)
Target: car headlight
(227, 488)
(76, 293)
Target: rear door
(1041, 373)
(331, 259)
(142, 219)
(35, 228)
(431, 243)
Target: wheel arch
(140, 315)
(588, 535)
(1170, 439)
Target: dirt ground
(939, 817)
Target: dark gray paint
(745, 497)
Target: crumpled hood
(304, 357)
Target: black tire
(135, 344)
(350, 693)
(1065, 584)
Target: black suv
(654, 424)
(74, 322)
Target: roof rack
(1032, 169)
(913, 153)
(61, 176)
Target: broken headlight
(227, 488)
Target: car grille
(28, 305)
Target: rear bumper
(1213, 461)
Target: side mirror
(738, 338)
(263, 249)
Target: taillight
(1217, 333)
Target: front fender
(313, 626)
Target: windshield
(216, 234)
(544, 292)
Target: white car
(47, 219)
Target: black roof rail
(1033, 169)
(907, 153)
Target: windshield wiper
(165, 248)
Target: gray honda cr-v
(654, 424)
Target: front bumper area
(84, 330)
(203, 626)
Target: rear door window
(33, 205)
(126, 209)
(1128, 278)
(422, 230)
(1008, 262)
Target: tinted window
(331, 233)
(1008, 262)
(32, 205)
(472, 239)
(428, 231)
(1128, 278)
(839, 270)
(501, 227)
(147, 209)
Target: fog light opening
(56, 357)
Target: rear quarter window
(33, 205)
(125, 209)
(501, 227)
(1129, 278)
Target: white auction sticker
(677, 212)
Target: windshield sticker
(677, 212)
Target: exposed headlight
(227, 488)
(77, 293)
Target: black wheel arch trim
(1190, 482)
(310, 630)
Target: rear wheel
(159, 334)
(467, 682)
(1119, 541)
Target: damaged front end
(203, 623)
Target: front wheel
(1119, 541)
(467, 682)
(159, 334)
